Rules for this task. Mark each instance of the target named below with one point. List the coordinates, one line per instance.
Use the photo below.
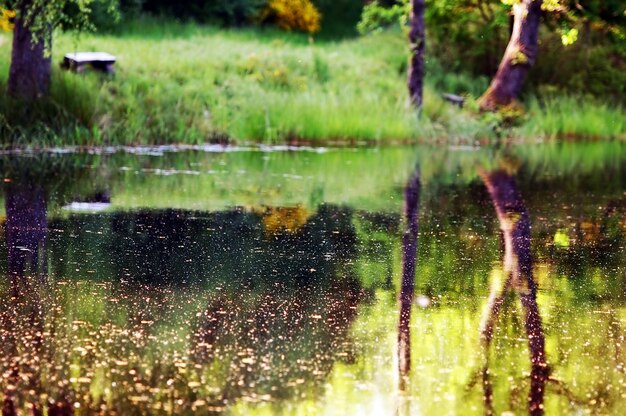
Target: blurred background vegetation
(583, 49)
(319, 71)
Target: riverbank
(185, 83)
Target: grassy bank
(186, 83)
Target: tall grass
(181, 82)
(569, 116)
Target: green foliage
(464, 36)
(585, 67)
(225, 12)
(604, 16)
(257, 85)
(233, 13)
(569, 37)
(41, 16)
(108, 16)
(376, 17)
(584, 41)
(339, 17)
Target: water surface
(258, 282)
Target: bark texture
(417, 41)
(515, 226)
(519, 57)
(409, 260)
(29, 74)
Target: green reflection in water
(187, 295)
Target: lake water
(269, 281)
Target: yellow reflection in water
(284, 219)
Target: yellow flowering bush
(293, 15)
(6, 19)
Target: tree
(561, 16)
(31, 64)
(29, 74)
(467, 35)
(519, 56)
(376, 16)
(417, 41)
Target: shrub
(6, 19)
(234, 12)
(587, 66)
(340, 17)
(226, 12)
(292, 15)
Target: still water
(263, 282)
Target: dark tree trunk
(417, 41)
(29, 75)
(515, 225)
(409, 260)
(519, 56)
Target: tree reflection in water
(153, 307)
(26, 229)
(407, 288)
(22, 319)
(280, 306)
(518, 277)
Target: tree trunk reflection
(22, 320)
(26, 234)
(409, 258)
(515, 226)
(26, 229)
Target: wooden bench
(454, 99)
(78, 61)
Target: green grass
(568, 116)
(185, 83)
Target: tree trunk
(417, 40)
(519, 56)
(29, 75)
(409, 260)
